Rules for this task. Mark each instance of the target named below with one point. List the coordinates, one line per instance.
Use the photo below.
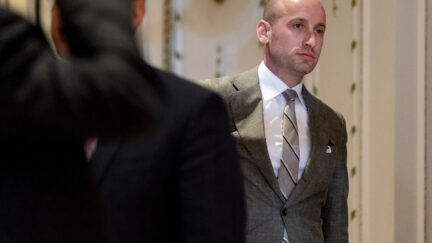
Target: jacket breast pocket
(324, 161)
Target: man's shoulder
(183, 102)
(180, 88)
(225, 86)
(183, 97)
(325, 112)
(222, 86)
(327, 109)
(218, 84)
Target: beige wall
(410, 122)
(152, 32)
(378, 99)
(429, 126)
(45, 7)
(394, 59)
(339, 69)
(19, 5)
(231, 25)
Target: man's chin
(305, 69)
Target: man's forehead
(302, 9)
(300, 5)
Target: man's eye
(319, 31)
(297, 26)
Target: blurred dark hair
(270, 14)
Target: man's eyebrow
(321, 25)
(299, 19)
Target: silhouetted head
(59, 38)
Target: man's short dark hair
(270, 15)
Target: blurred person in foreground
(180, 183)
(292, 146)
(49, 107)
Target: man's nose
(310, 39)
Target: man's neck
(285, 75)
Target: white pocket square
(329, 146)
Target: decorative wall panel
(217, 37)
(338, 81)
(429, 126)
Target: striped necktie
(288, 170)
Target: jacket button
(284, 212)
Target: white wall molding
(410, 122)
(366, 126)
(378, 131)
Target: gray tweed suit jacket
(316, 209)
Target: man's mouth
(306, 55)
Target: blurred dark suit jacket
(48, 107)
(181, 183)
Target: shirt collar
(271, 86)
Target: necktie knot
(289, 95)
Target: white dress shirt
(273, 108)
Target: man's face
(296, 37)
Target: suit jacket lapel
(247, 110)
(101, 159)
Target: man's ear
(138, 7)
(263, 30)
(57, 34)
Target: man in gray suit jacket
(277, 123)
